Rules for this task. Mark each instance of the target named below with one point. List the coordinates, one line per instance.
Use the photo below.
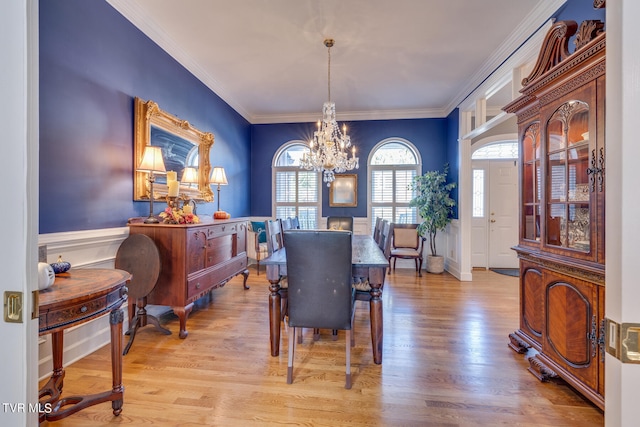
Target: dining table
(368, 261)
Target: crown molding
(518, 43)
(149, 28)
(350, 116)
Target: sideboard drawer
(214, 277)
(222, 229)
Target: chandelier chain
(328, 150)
(329, 73)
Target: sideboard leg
(183, 314)
(245, 273)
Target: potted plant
(435, 207)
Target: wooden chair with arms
(406, 243)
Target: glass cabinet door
(567, 216)
(531, 188)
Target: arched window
(392, 165)
(296, 191)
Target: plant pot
(435, 264)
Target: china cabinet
(561, 245)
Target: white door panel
(503, 206)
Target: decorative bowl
(60, 266)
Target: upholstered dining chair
(383, 238)
(275, 242)
(320, 290)
(376, 230)
(286, 224)
(295, 223)
(340, 223)
(406, 243)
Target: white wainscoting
(83, 249)
(452, 251)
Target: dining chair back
(383, 238)
(376, 230)
(340, 223)
(275, 242)
(406, 243)
(295, 223)
(320, 290)
(286, 224)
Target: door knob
(493, 220)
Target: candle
(173, 188)
(172, 176)
(187, 209)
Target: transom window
(501, 150)
(296, 191)
(393, 164)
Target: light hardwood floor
(445, 363)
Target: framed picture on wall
(344, 191)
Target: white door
(503, 213)
(19, 251)
(494, 219)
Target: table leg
(117, 392)
(375, 313)
(64, 407)
(274, 315)
(52, 390)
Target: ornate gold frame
(148, 114)
(343, 191)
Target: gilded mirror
(182, 146)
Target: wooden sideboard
(195, 259)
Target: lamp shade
(189, 176)
(152, 160)
(218, 176)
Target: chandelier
(328, 150)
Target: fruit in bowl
(221, 215)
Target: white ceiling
(391, 59)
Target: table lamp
(189, 176)
(151, 163)
(219, 177)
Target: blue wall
(578, 11)
(428, 135)
(93, 62)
